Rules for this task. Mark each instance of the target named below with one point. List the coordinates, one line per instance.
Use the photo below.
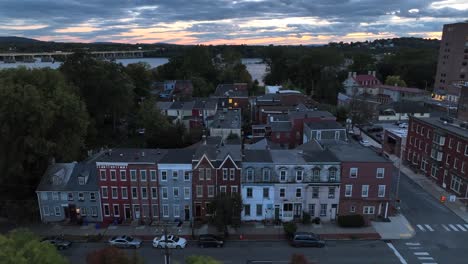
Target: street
(338, 252)
(441, 236)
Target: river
(255, 66)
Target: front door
(128, 212)
(187, 213)
(136, 211)
(333, 212)
(297, 210)
(71, 211)
(277, 212)
(197, 210)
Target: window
(459, 146)
(116, 210)
(434, 171)
(234, 189)
(134, 193)
(92, 196)
(466, 150)
(450, 143)
(332, 174)
(155, 211)
(113, 175)
(201, 174)
(57, 211)
(249, 193)
(423, 164)
(381, 191)
(447, 160)
(114, 193)
(353, 172)
(163, 175)
(352, 209)
(319, 135)
(152, 175)
(106, 210)
(247, 210)
(456, 184)
(368, 210)
(316, 174)
(312, 209)
(187, 193)
(288, 207)
(365, 191)
(323, 209)
(331, 192)
(175, 192)
(232, 174)
(123, 175)
(144, 193)
(250, 175)
(225, 174)
(337, 135)
(44, 196)
(104, 192)
(123, 190)
(176, 210)
(103, 175)
(283, 175)
(315, 192)
(143, 175)
(187, 176)
(438, 139)
(55, 196)
(81, 180)
(45, 210)
(165, 210)
(133, 176)
(266, 193)
(380, 173)
(259, 210)
(463, 167)
(210, 191)
(455, 161)
(208, 174)
(70, 196)
(164, 193)
(266, 175)
(298, 192)
(199, 191)
(348, 190)
(222, 189)
(175, 175)
(299, 175)
(282, 193)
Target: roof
(232, 90)
(405, 107)
(227, 119)
(163, 105)
(309, 114)
(402, 89)
(56, 177)
(132, 155)
(319, 156)
(324, 124)
(437, 122)
(287, 156)
(257, 156)
(280, 126)
(352, 152)
(366, 77)
(178, 156)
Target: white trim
(204, 156)
(126, 192)
(104, 210)
(152, 196)
(225, 159)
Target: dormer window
(250, 175)
(299, 175)
(316, 174)
(332, 174)
(81, 180)
(266, 175)
(283, 175)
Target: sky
(251, 22)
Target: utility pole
(167, 256)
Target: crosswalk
(418, 251)
(442, 227)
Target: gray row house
(68, 192)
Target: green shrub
(351, 221)
(290, 228)
(305, 218)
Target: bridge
(12, 57)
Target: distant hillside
(14, 40)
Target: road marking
(415, 248)
(466, 226)
(421, 253)
(446, 228)
(420, 227)
(395, 251)
(429, 227)
(412, 244)
(453, 227)
(461, 228)
(425, 258)
(429, 262)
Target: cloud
(212, 21)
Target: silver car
(125, 242)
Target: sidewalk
(397, 228)
(433, 189)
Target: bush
(305, 218)
(290, 228)
(351, 220)
(317, 220)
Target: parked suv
(304, 239)
(58, 242)
(209, 240)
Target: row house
(438, 148)
(278, 103)
(226, 122)
(68, 192)
(216, 170)
(175, 185)
(324, 130)
(232, 95)
(365, 180)
(128, 183)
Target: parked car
(209, 240)
(171, 242)
(58, 242)
(125, 242)
(305, 239)
(364, 142)
(403, 125)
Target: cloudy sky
(226, 21)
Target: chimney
(354, 74)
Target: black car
(58, 242)
(209, 240)
(304, 239)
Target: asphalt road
(441, 236)
(336, 252)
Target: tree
(41, 117)
(395, 80)
(140, 74)
(362, 62)
(227, 210)
(298, 259)
(22, 247)
(111, 255)
(154, 122)
(201, 260)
